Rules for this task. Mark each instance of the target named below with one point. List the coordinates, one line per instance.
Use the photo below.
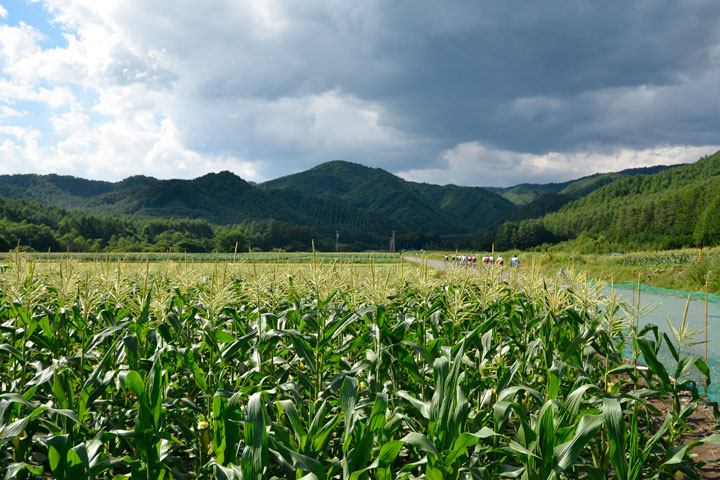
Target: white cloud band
(474, 164)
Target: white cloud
(7, 112)
(18, 46)
(69, 122)
(326, 122)
(265, 87)
(111, 150)
(475, 164)
(137, 91)
(20, 133)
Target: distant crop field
(127, 369)
(260, 257)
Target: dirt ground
(703, 423)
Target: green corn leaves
(148, 436)
(255, 456)
(236, 371)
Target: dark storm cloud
(523, 76)
(412, 86)
(461, 82)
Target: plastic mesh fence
(712, 298)
(669, 310)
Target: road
(432, 263)
(440, 265)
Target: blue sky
(35, 14)
(463, 91)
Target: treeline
(32, 226)
(675, 208)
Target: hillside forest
(653, 208)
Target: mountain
(418, 206)
(221, 198)
(366, 204)
(370, 188)
(526, 193)
(670, 208)
(550, 202)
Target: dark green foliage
(419, 207)
(550, 202)
(657, 207)
(230, 241)
(35, 227)
(669, 208)
(526, 193)
(523, 235)
(664, 210)
(217, 198)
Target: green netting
(670, 308)
(712, 298)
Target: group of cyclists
(470, 261)
(461, 260)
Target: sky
(471, 92)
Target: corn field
(672, 258)
(328, 370)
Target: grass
(174, 369)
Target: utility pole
(337, 241)
(392, 242)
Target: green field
(241, 257)
(325, 369)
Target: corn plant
(244, 369)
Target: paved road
(440, 265)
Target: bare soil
(702, 422)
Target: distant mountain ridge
(419, 206)
(525, 193)
(365, 204)
(668, 209)
(221, 198)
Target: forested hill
(32, 226)
(364, 205)
(219, 198)
(672, 208)
(526, 193)
(417, 205)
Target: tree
(226, 241)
